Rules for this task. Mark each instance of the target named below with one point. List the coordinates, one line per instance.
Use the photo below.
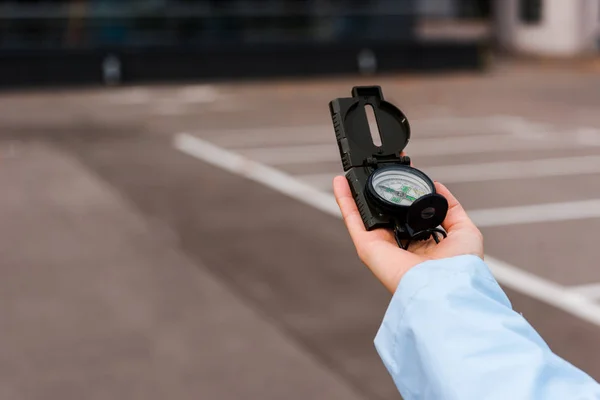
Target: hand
(378, 248)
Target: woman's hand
(378, 248)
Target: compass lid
(353, 133)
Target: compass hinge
(374, 161)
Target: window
(530, 11)
(52, 24)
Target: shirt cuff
(414, 282)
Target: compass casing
(427, 211)
(361, 158)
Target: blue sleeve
(450, 333)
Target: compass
(408, 196)
(388, 191)
(399, 186)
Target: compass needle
(402, 182)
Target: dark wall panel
(18, 69)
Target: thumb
(457, 217)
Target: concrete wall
(567, 28)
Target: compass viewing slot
(373, 126)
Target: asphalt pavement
(180, 241)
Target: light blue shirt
(450, 333)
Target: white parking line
(485, 172)
(535, 213)
(250, 169)
(508, 275)
(168, 107)
(278, 135)
(423, 147)
(197, 94)
(129, 97)
(543, 290)
(322, 134)
(539, 168)
(590, 290)
(518, 215)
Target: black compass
(389, 192)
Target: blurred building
(81, 41)
(548, 27)
(87, 41)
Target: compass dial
(400, 185)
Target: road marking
(518, 215)
(551, 212)
(508, 275)
(129, 97)
(485, 172)
(278, 135)
(322, 134)
(255, 171)
(591, 290)
(197, 94)
(226, 105)
(545, 291)
(167, 107)
(588, 136)
(426, 147)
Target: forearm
(450, 333)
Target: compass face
(400, 185)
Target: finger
(344, 199)
(457, 217)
